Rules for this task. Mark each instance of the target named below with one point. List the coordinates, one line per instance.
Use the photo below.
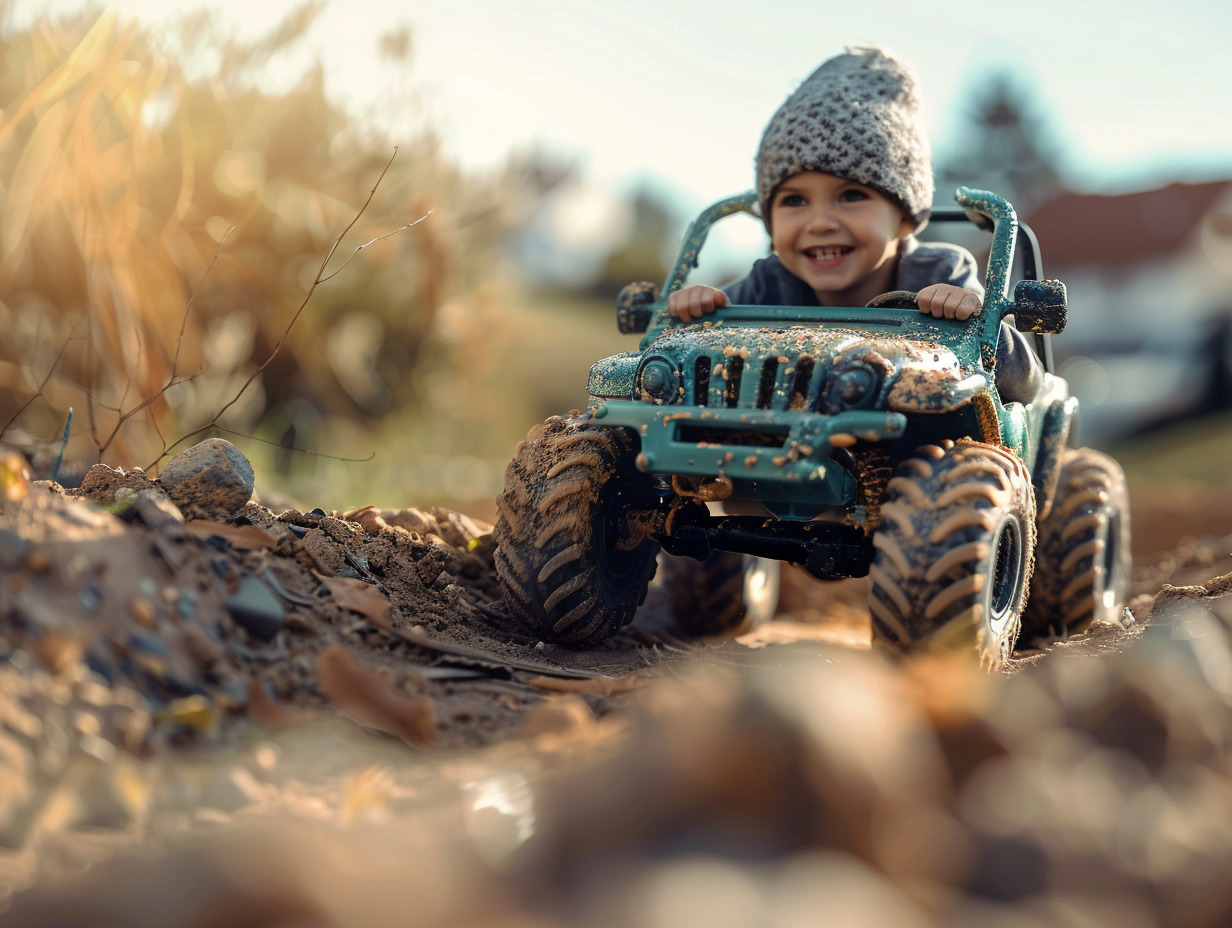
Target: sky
(675, 93)
(681, 89)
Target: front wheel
(954, 552)
(573, 556)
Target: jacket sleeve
(921, 264)
(770, 284)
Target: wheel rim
(1108, 593)
(1005, 575)
(761, 589)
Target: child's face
(839, 237)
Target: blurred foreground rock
(832, 788)
(326, 718)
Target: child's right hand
(695, 301)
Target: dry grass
(161, 232)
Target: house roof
(1097, 229)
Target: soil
(327, 716)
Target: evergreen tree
(1004, 146)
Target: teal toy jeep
(852, 441)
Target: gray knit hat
(858, 117)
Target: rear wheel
(725, 594)
(1082, 572)
(573, 555)
(954, 552)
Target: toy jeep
(852, 441)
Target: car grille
(736, 382)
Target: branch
(317, 281)
(315, 454)
(311, 290)
(379, 238)
(42, 386)
(172, 380)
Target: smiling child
(844, 181)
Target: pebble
(196, 712)
(212, 478)
(155, 510)
(186, 604)
(90, 598)
(151, 644)
(143, 611)
(100, 665)
(256, 609)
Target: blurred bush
(164, 219)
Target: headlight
(660, 380)
(852, 387)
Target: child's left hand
(945, 301)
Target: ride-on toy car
(852, 441)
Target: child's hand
(695, 301)
(945, 301)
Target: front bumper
(763, 446)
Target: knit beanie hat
(857, 117)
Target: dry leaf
(601, 686)
(267, 711)
(369, 701)
(361, 597)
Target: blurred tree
(1003, 145)
(164, 219)
(643, 253)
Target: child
(844, 180)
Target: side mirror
(633, 310)
(1039, 306)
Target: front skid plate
(828, 550)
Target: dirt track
(152, 695)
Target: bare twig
(68, 427)
(320, 278)
(42, 386)
(308, 296)
(172, 377)
(379, 238)
(315, 454)
(192, 300)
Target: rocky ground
(214, 713)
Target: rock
(209, 480)
(256, 609)
(155, 510)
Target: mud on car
(852, 441)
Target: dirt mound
(259, 696)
